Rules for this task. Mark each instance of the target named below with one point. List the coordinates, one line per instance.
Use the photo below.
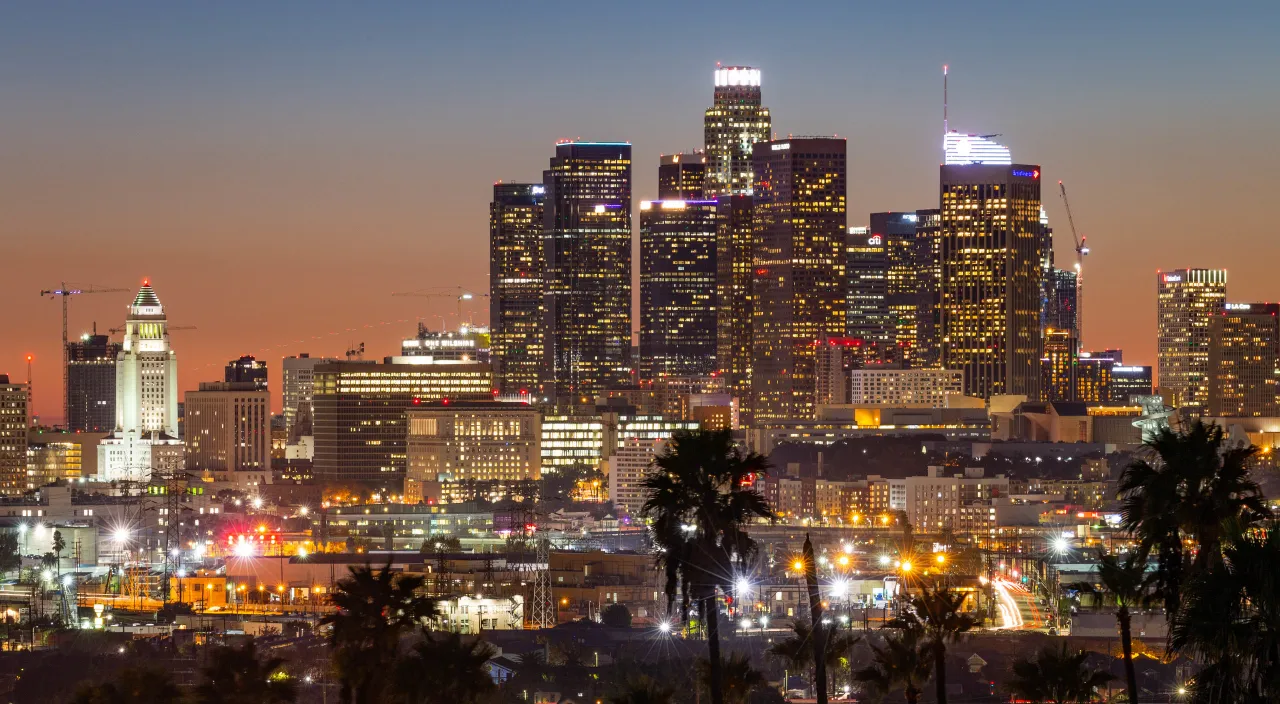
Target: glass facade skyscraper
(1186, 300)
(682, 176)
(677, 288)
(800, 223)
(735, 121)
(515, 286)
(991, 264)
(735, 294)
(91, 384)
(587, 290)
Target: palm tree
(699, 500)
(641, 690)
(797, 649)
(1190, 487)
(1230, 619)
(936, 613)
(373, 610)
(239, 676)
(59, 544)
(144, 685)
(738, 677)
(443, 670)
(904, 660)
(1056, 677)
(1125, 580)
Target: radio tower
(544, 613)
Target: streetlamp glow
(884, 559)
(906, 565)
(743, 586)
(664, 627)
(798, 565)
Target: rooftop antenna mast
(946, 127)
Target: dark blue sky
(279, 168)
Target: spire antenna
(946, 128)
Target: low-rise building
(896, 388)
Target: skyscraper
(866, 296)
(677, 288)
(91, 384)
(515, 285)
(799, 218)
(228, 432)
(991, 284)
(682, 176)
(928, 342)
(146, 427)
(735, 121)
(360, 412)
(1186, 301)
(15, 419)
(298, 380)
(735, 294)
(1244, 360)
(1058, 366)
(246, 370)
(909, 286)
(587, 242)
(1060, 311)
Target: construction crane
(66, 293)
(1081, 251)
(456, 292)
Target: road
(1017, 607)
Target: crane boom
(456, 292)
(65, 294)
(1081, 251)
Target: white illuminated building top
(960, 149)
(146, 432)
(738, 76)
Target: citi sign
(1026, 174)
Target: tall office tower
(360, 411)
(1060, 311)
(246, 370)
(867, 291)
(831, 371)
(1058, 366)
(735, 296)
(91, 384)
(735, 121)
(799, 217)
(989, 304)
(297, 382)
(1046, 268)
(15, 418)
(1244, 360)
(682, 176)
(587, 241)
(228, 432)
(1128, 381)
(1186, 302)
(677, 288)
(908, 293)
(470, 441)
(146, 428)
(928, 353)
(515, 285)
(1093, 377)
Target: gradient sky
(278, 169)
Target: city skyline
(283, 227)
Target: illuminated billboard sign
(1023, 173)
(1172, 278)
(875, 240)
(1239, 306)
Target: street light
(906, 565)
